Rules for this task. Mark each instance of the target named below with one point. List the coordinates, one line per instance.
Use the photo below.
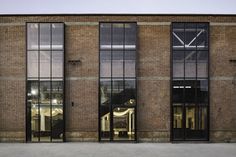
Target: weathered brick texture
(153, 64)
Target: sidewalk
(116, 150)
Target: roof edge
(117, 14)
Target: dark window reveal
(45, 82)
(117, 81)
(190, 81)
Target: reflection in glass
(129, 63)
(117, 91)
(32, 36)
(202, 64)
(32, 100)
(130, 36)
(105, 63)
(190, 64)
(117, 81)
(57, 110)
(45, 36)
(45, 59)
(32, 62)
(190, 80)
(45, 82)
(105, 36)
(57, 63)
(129, 93)
(45, 111)
(57, 36)
(118, 36)
(105, 98)
(178, 63)
(105, 91)
(123, 123)
(117, 64)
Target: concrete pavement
(117, 150)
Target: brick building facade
(153, 75)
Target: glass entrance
(190, 81)
(117, 108)
(45, 82)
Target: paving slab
(117, 150)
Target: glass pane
(57, 63)
(45, 37)
(32, 99)
(117, 64)
(105, 36)
(130, 36)
(130, 92)
(178, 91)
(105, 123)
(178, 63)
(32, 63)
(123, 123)
(45, 63)
(202, 40)
(178, 69)
(202, 56)
(105, 98)
(202, 90)
(178, 36)
(105, 63)
(57, 110)
(45, 111)
(190, 91)
(202, 64)
(130, 64)
(178, 56)
(196, 123)
(190, 80)
(32, 36)
(190, 118)
(202, 69)
(117, 91)
(190, 36)
(117, 36)
(105, 92)
(178, 122)
(190, 64)
(57, 36)
(202, 114)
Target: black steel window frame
(171, 84)
(99, 80)
(28, 117)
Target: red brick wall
(153, 120)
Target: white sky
(118, 6)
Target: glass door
(45, 82)
(190, 81)
(117, 107)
